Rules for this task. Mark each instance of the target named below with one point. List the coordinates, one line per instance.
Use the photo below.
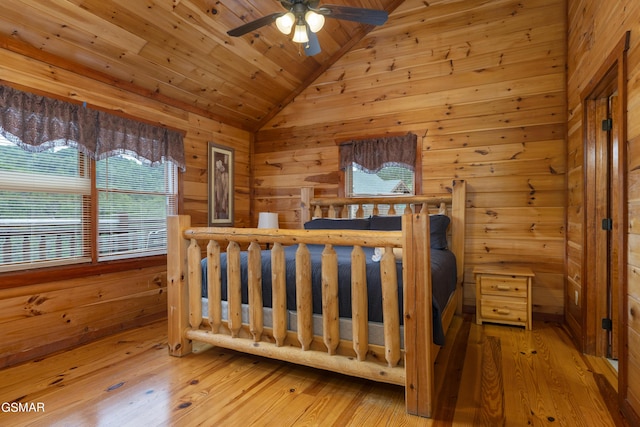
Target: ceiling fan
(306, 18)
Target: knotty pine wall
(482, 84)
(54, 314)
(595, 30)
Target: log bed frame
(411, 366)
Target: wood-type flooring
(487, 375)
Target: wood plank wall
(595, 30)
(39, 319)
(50, 316)
(482, 84)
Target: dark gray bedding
(443, 275)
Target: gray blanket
(443, 277)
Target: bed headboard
(453, 205)
(339, 207)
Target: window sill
(43, 275)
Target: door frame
(610, 78)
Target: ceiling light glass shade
(314, 20)
(300, 34)
(285, 23)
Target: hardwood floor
(487, 375)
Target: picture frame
(221, 171)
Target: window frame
(36, 275)
(170, 180)
(349, 178)
(417, 176)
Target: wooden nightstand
(503, 294)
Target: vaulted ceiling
(178, 51)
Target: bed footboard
(356, 357)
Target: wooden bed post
(418, 323)
(177, 286)
(458, 221)
(306, 194)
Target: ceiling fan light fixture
(306, 17)
(314, 20)
(300, 33)
(285, 23)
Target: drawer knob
(502, 311)
(504, 287)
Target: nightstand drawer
(504, 285)
(503, 294)
(504, 309)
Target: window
(379, 167)
(47, 214)
(43, 200)
(72, 188)
(388, 181)
(133, 203)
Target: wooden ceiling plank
(146, 76)
(94, 53)
(68, 14)
(31, 52)
(179, 52)
(209, 26)
(210, 74)
(182, 58)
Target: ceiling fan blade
(312, 47)
(356, 14)
(254, 25)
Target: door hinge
(607, 224)
(607, 124)
(607, 324)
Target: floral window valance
(37, 123)
(373, 154)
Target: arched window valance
(37, 123)
(373, 154)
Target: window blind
(134, 200)
(388, 181)
(44, 207)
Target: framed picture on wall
(220, 185)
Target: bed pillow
(386, 223)
(337, 224)
(438, 225)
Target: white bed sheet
(376, 330)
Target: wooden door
(618, 210)
(608, 206)
(600, 224)
(605, 197)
